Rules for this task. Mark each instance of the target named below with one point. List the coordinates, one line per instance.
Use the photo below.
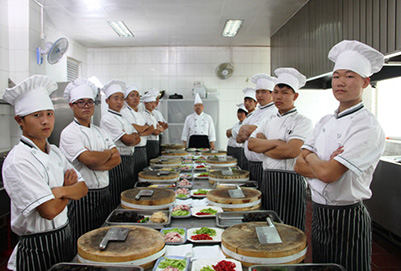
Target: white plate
(185, 186)
(186, 168)
(186, 196)
(199, 264)
(156, 267)
(196, 176)
(216, 239)
(186, 176)
(197, 209)
(184, 236)
(193, 191)
(181, 216)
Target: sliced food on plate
(185, 176)
(203, 175)
(204, 235)
(171, 263)
(182, 193)
(174, 235)
(205, 211)
(181, 211)
(216, 265)
(184, 183)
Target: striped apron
(256, 171)
(235, 152)
(342, 235)
(141, 160)
(160, 144)
(40, 251)
(121, 179)
(89, 212)
(244, 160)
(152, 149)
(285, 193)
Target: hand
(261, 136)
(70, 177)
(212, 145)
(228, 133)
(57, 192)
(337, 152)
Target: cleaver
(236, 193)
(114, 234)
(144, 193)
(269, 234)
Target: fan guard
(54, 51)
(224, 70)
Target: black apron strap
(198, 141)
(42, 251)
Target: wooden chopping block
(141, 242)
(173, 162)
(166, 147)
(161, 198)
(242, 240)
(216, 162)
(220, 197)
(149, 175)
(214, 153)
(217, 175)
(173, 153)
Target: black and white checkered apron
(89, 212)
(38, 252)
(342, 235)
(152, 149)
(244, 161)
(285, 193)
(256, 171)
(121, 179)
(235, 152)
(141, 160)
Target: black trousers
(40, 251)
(342, 235)
(141, 160)
(121, 179)
(152, 149)
(244, 161)
(198, 141)
(256, 172)
(285, 193)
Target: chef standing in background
(39, 181)
(93, 153)
(339, 159)
(158, 115)
(199, 128)
(124, 136)
(233, 148)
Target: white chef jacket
(76, 139)
(158, 115)
(117, 126)
(29, 175)
(285, 127)
(151, 120)
(199, 125)
(363, 139)
(262, 117)
(136, 118)
(232, 142)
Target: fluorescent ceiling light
(120, 28)
(231, 28)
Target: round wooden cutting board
(218, 175)
(214, 152)
(220, 197)
(174, 153)
(149, 175)
(141, 242)
(172, 146)
(241, 241)
(160, 197)
(160, 162)
(216, 162)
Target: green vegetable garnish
(180, 231)
(206, 230)
(201, 191)
(181, 196)
(209, 211)
(207, 268)
(144, 220)
(180, 213)
(180, 264)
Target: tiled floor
(386, 255)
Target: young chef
(158, 115)
(137, 120)
(264, 87)
(199, 128)
(250, 104)
(152, 145)
(39, 181)
(233, 148)
(124, 136)
(280, 139)
(93, 153)
(339, 159)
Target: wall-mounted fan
(54, 51)
(224, 70)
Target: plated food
(181, 211)
(174, 235)
(182, 193)
(202, 175)
(205, 211)
(216, 265)
(185, 176)
(171, 263)
(186, 167)
(199, 193)
(204, 235)
(185, 183)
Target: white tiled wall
(176, 68)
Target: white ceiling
(170, 22)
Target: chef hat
(130, 89)
(149, 97)
(242, 107)
(290, 77)
(114, 86)
(79, 89)
(263, 81)
(198, 99)
(31, 95)
(357, 57)
(249, 93)
(154, 91)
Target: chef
(124, 136)
(279, 139)
(158, 115)
(93, 153)
(152, 145)
(39, 181)
(250, 104)
(266, 109)
(339, 159)
(199, 128)
(137, 120)
(233, 148)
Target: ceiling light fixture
(231, 28)
(120, 28)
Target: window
(72, 69)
